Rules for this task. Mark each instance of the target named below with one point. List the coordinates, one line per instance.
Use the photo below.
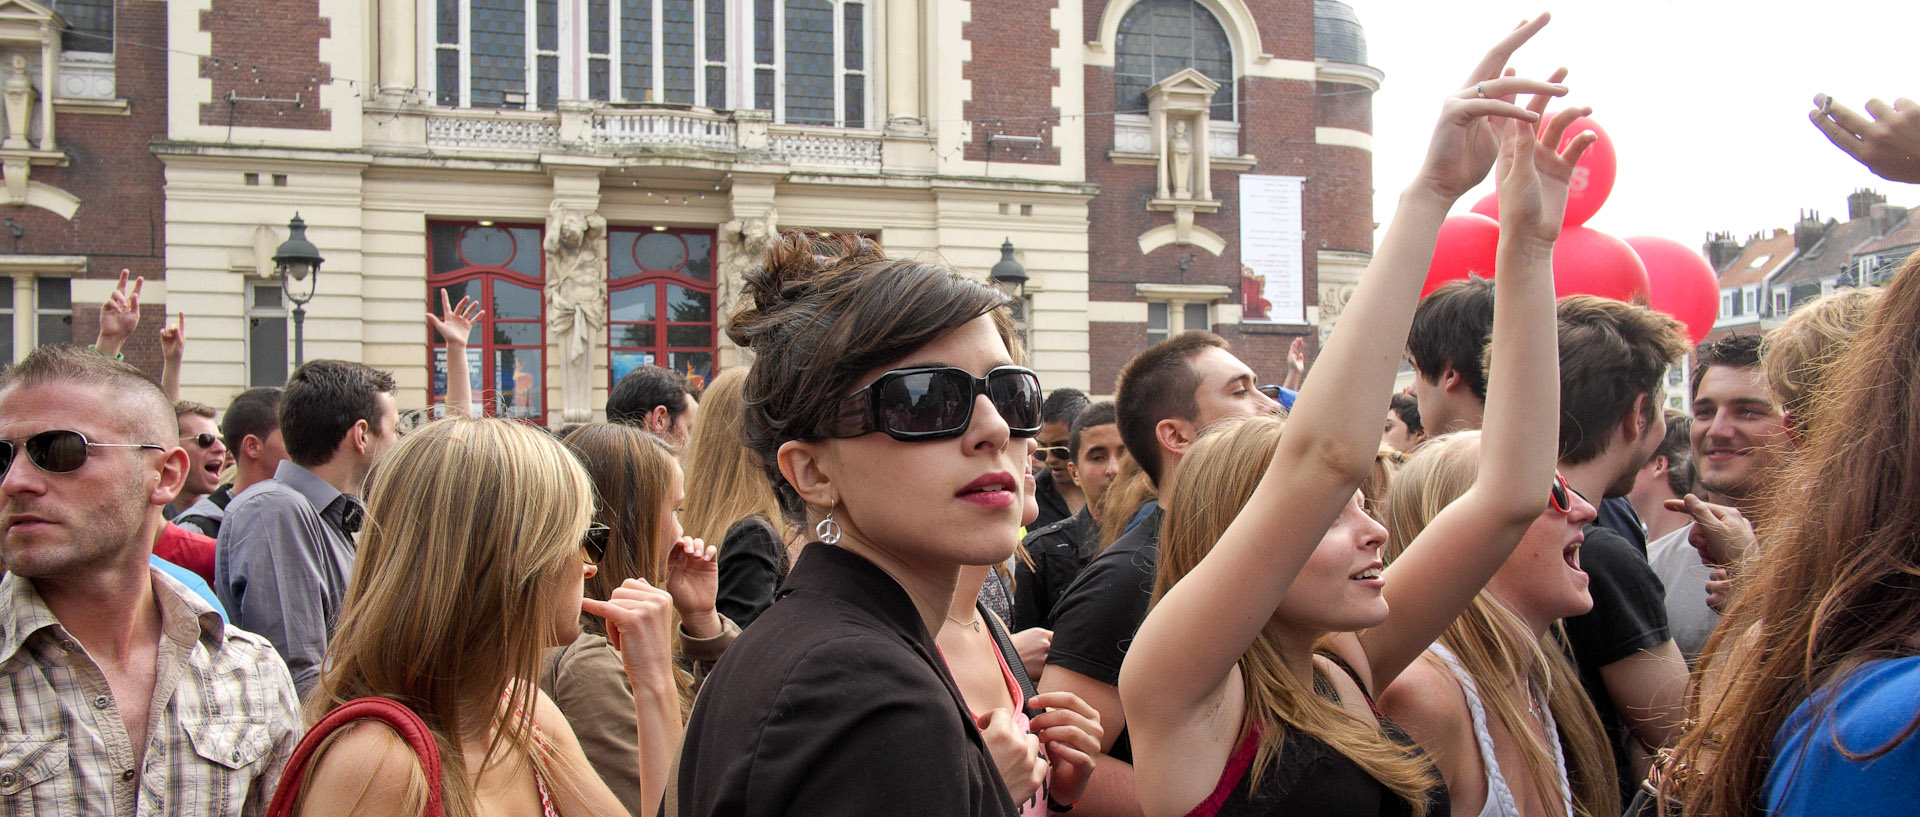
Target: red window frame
(625, 273)
(527, 398)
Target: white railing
(497, 130)
(817, 148)
(619, 127)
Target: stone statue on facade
(1181, 163)
(20, 96)
(746, 240)
(576, 247)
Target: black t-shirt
(1617, 515)
(753, 560)
(836, 702)
(1053, 506)
(1057, 552)
(1629, 615)
(1094, 621)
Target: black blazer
(836, 702)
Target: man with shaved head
(119, 677)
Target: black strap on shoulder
(1005, 642)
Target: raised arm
(173, 352)
(1176, 672)
(119, 316)
(454, 329)
(1441, 571)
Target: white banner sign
(1272, 264)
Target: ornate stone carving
(1177, 108)
(576, 247)
(746, 240)
(20, 96)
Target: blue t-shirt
(1811, 775)
(193, 582)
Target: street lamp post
(298, 263)
(1011, 278)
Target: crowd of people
(935, 588)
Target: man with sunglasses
(251, 429)
(287, 545)
(127, 693)
(1054, 487)
(1057, 553)
(205, 454)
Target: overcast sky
(1706, 101)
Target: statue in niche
(20, 97)
(576, 247)
(1182, 160)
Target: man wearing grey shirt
(286, 548)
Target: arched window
(1160, 37)
(660, 292)
(504, 269)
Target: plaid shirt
(223, 720)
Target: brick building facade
(441, 144)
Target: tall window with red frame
(504, 269)
(660, 301)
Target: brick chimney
(1887, 218)
(1721, 250)
(1860, 203)
(1808, 231)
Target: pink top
(1035, 806)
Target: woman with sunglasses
(1496, 701)
(637, 536)
(469, 567)
(887, 412)
(1248, 688)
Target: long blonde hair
(631, 471)
(1210, 485)
(724, 480)
(473, 527)
(1492, 644)
(1130, 489)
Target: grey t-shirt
(1678, 565)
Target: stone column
(398, 39)
(23, 315)
(903, 55)
(49, 79)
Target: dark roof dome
(1337, 35)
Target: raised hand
(457, 326)
(693, 579)
(1296, 364)
(173, 350)
(1464, 144)
(1720, 532)
(1070, 729)
(1015, 753)
(1533, 177)
(1888, 144)
(119, 316)
(173, 341)
(639, 620)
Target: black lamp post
(298, 263)
(1011, 278)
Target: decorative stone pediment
(28, 29)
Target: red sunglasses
(1560, 496)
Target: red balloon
(1591, 262)
(1592, 178)
(1488, 205)
(1466, 245)
(1680, 283)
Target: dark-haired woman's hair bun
(794, 266)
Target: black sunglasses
(1560, 496)
(595, 543)
(203, 439)
(936, 402)
(1272, 392)
(58, 451)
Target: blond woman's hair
(1210, 485)
(1493, 644)
(1130, 489)
(1797, 354)
(724, 480)
(473, 527)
